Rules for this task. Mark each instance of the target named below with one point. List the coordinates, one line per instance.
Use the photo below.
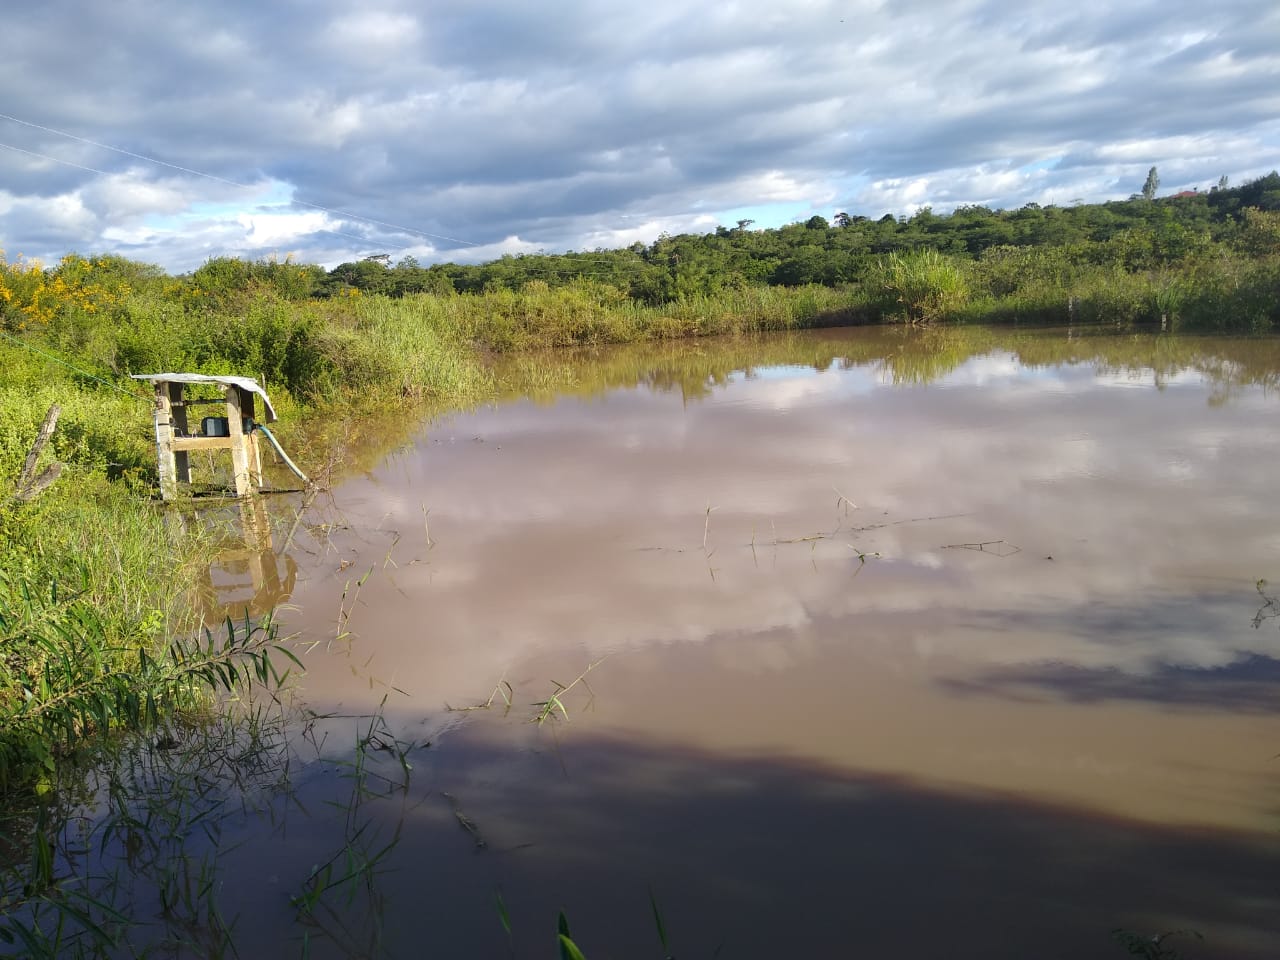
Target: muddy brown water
(898, 646)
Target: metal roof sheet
(244, 383)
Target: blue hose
(283, 456)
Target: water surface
(897, 645)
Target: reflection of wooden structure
(225, 595)
(174, 439)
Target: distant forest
(1138, 233)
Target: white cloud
(273, 229)
(372, 33)
(130, 193)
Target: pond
(862, 642)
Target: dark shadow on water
(1248, 685)
(762, 858)
(1146, 622)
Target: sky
(467, 129)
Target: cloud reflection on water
(565, 532)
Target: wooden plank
(201, 443)
(178, 415)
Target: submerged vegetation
(95, 637)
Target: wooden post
(164, 443)
(178, 415)
(251, 440)
(255, 460)
(239, 449)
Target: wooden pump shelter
(174, 439)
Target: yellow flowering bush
(32, 296)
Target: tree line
(1138, 232)
(1013, 264)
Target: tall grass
(419, 354)
(584, 314)
(1215, 290)
(921, 286)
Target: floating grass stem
(555, 702)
